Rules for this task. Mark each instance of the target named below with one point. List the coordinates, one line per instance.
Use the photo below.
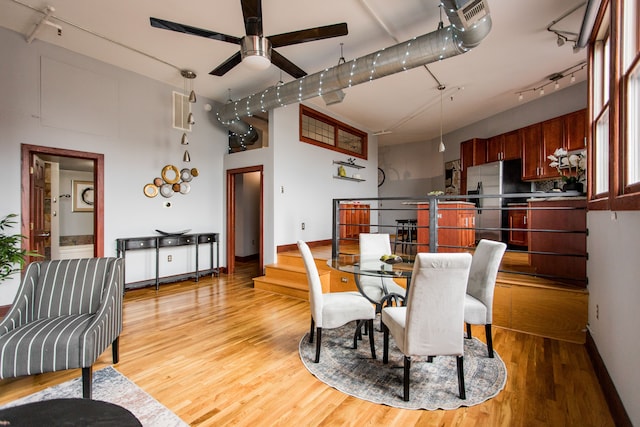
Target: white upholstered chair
(334, 309)
(478, 304)
(376, 289)
(429, 325)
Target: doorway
(245, 213)
(84, 196)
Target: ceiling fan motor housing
(255, 48)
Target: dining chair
(379, 290)
(429, 325)
(478, 303)
(334, 309)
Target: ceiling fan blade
(308, 35)
(252, 12)
(227, 65)
(285, 65)
(187, 29)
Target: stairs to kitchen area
(289, 277)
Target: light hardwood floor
(219, 352)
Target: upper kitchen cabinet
(542, 139)
(472, 153)
(507, 146)
(575, 130)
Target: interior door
(38, 235)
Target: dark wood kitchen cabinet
(518, 234)
(461, 216)
(472, 153)
(507, 146)
(575, 130)
(560, 249)
(539, 141)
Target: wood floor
(219, 352)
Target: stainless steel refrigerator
(495, 179)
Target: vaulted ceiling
(519, 53)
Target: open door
(39, 235)
(33, 225)
(233, 177)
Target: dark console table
(157, 242)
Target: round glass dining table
(372, 266)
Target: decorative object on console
(172, 181)
(571, 167)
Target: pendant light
(188, 77)
(441, 147)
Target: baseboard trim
(294, 246)
(618, 412)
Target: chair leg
(385, 344)
(87, 374)
(319, 338)
(407, 369)
(371, 342)
(468, 331)
(487, 331)
(115, 347)
(313, 327)
(358, 333)
(460, 363)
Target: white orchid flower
(560, 152)
(582, 163)
(564, 161)
(552, 158)
(554, 164)
(574, 159)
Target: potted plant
(12, 256)
(571, 167)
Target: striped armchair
(65, 314)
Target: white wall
(613, 245)
(304, 187)
(73, 223)
(135, 136)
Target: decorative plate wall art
(172, 182)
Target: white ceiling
(518, 54)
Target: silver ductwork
(470, 24)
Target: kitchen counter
(577, 196)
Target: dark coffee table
(68, 412)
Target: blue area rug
(111, 386)
(433, 385)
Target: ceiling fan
(255, 49)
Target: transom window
(324, 131)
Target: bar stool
(404, 234)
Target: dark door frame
(231, 216)
(27, 153)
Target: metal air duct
(470, 23)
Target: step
(283, 287)
(289, 281)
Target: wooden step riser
(285, 274)
(282, 290)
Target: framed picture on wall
(83, 196)
(452, 177)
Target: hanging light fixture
(184, 140)
(186, 157)
(188, 77)
(441, 147)
(190, 119)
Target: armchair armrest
(22, 310)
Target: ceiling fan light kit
(256, 52)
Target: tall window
(631, 88)
(615, 107)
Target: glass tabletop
(371, 266)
